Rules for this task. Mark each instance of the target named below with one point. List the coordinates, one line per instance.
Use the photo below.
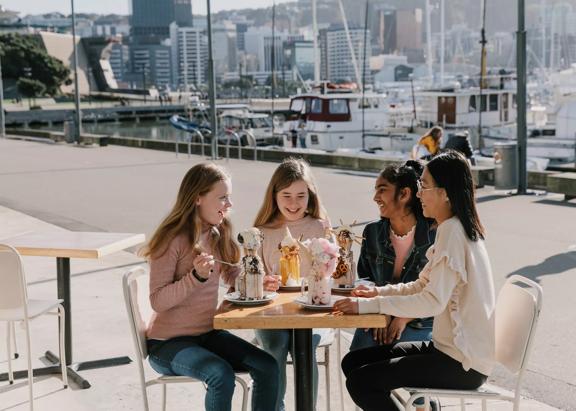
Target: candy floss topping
(324, 255)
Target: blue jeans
(279, 343)
(213, 358)
(365, 339)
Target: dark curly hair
(406, 176)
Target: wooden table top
(283, 313)
(73, 244)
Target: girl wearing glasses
(394, 250)
(455, 287)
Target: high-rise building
(190, 56)
(336, 63)
(151, 19)
(299, 55)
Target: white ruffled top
(457, 288)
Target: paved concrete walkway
(45, 187)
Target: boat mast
(442, 42)
(315, 44)
(350, 45)
(429, 40)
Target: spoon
(216, 233)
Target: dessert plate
(234, 299)
(343, 290)
(303, 301)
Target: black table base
(63, 281)
(304, 389)
(71, 368)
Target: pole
(442, 42)
(77, 114)
(315, 44)
(521, 99)
(482, 82)
(212, 86)
(429, 40)
(273, 65)
(413, 98)
(364, 75)
(2, 118)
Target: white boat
(342, 120)
(555, 141)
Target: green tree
(25, 56)
(30, 88)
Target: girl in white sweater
(455, 287)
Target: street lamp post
(2, 119)
(77, 114)
(212, 87)
(521, 99)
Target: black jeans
(371, 373)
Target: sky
(119, 6)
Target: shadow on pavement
(555, 264)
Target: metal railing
(188, 140)
(250, 140)
(237, 137)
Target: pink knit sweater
(182, 305)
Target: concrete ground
(46, 187)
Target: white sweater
(456, 287)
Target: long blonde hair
(184, 217)
(289, 171)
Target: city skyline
(120, 6)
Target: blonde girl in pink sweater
(292, 201)
(184, 280)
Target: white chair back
(13, 294)
(134, 298)
(517, 311)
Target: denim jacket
(376, 261)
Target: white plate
(233, 298)
(343, 290)
(303, 301)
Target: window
(483, 103)
(316, 106)
(338, 106)
(493, 102)
(297, 105)
(472, 104)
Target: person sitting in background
(429, 145)
(460, 142)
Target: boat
(340, 120)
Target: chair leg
(327, 369)
(339, 361)
(30, 374)
(245, 392)
(9, 330)
(463, 404)
(61, 343)
(163, 397)
(13, 331)
(484, 406)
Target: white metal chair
(516, 316)
(138, 328)
(16, 306)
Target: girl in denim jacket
(393, 250)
